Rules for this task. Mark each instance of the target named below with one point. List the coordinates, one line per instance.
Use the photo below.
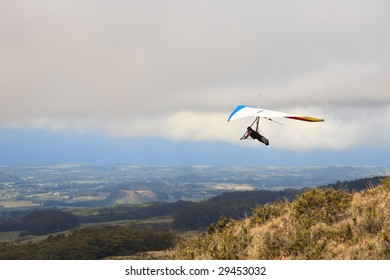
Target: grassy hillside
(318, 224)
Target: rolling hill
(126, 196)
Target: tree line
(41, 222)
(91, 243)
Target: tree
(41, 222)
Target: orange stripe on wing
(306, 119)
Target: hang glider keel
(271, 120)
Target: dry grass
(319, 224)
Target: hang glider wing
(243, 111)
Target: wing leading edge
(243, 111)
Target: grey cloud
(127, 63)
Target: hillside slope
(318, 224)
(125, 196)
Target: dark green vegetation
(41, 222)
(91, 243)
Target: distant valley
(86, 185)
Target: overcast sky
(176, 69)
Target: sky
(153, 82)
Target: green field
(9, 235)
(18, 203)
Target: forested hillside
(321, 223)
(236, 205)
(40, 222)
(91, 243)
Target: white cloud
(344, 129)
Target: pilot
(255, 135)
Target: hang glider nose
(243, 111)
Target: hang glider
(243, 111)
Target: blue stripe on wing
(239, 107)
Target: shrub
(373, 218)
(321, 205)
(386, 242)
(262, 214)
